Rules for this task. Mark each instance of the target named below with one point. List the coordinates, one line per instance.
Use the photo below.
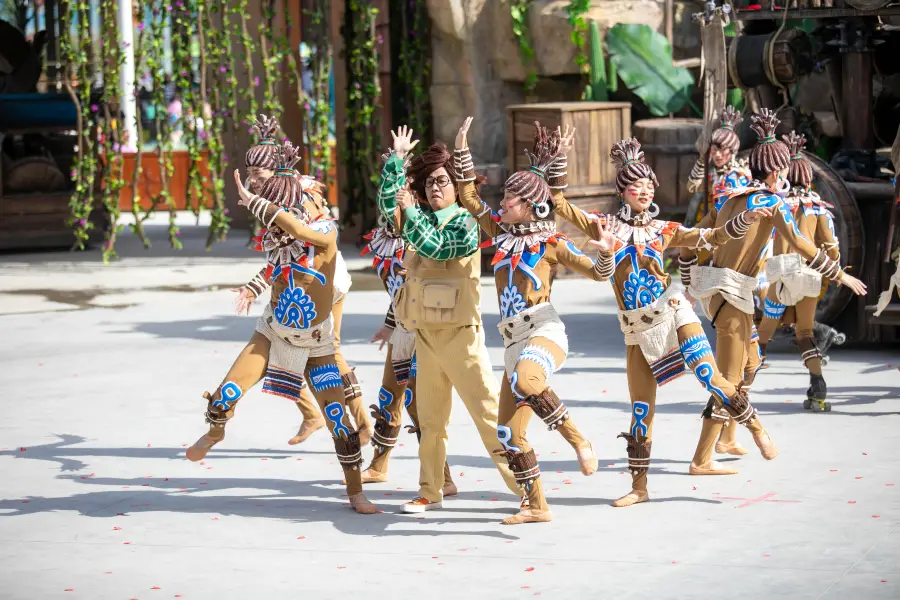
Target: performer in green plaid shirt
(442, 234)
(441, 302)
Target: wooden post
(340, 107)
(857, 101)
(292, 119)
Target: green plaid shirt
(456, 239)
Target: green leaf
(643, 60)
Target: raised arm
(465, 180)
(456, 239)
(570, 256)
(696, 238)
(559, 181)
(698, 173)
(393, 176)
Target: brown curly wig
(628, 158)
(424, 164)
(262, 155)
(725, 136)
(283, 188)
(531, 184)
(769, 155)
(799, 171)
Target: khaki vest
(440, 295)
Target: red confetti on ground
(674, 562)
(858, 477)
(148, 445)
(25, 501)
(865, 453)
(558, 472)
(182, 488)
(420, 518)
(127, 543)
(555, 490)
(602, 391)
(765, 556)
(155, 587)
(70, 589)
(108, 573)
(889, 485)
(884, 581)
(851, 501)
(184, 445)
(529, 569)
(526, 587)
(401, 445)
(302, 537)
(21, 449)
(120, 514)
(40, 364)
(440, 564)
(166, 479)
(694, 487)
(117, 529)
(342, 567)
(299, 459)
(876, 516)
(264, 459)
(463, 549)
(388, 494)
(202, 483)
(833, 470)
(434, 557)
(788, 400)
(215, 518)
(178, 595)
(462, 474)
(494, 499)
(611, 465)
(479, 480)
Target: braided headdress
(799, 171)
(628, 158)
(284, 187)
(725, 136)
(769, 155)
(531, 184)
(262, 155)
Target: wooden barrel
(668, 146)
(779, 60)
(848, 227)
(867, 4)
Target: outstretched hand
(403, 142)
(462, 135)
(245, 195)
(243, 301)
(855, 285)
(383, 335)
(404, 198)
(566, 140)
(607, 240)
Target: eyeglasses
(441, 181)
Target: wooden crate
(598, 126)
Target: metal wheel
(839, 339)
(807, 404)
(827, 406)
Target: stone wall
(477, 69)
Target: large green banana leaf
(643, 60)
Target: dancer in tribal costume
(795, 288)
(294, 338)
(528, 249)
(663, 335)
(398, 382)
(260, 165)
(725, 288)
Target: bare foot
(529, 516)
(201, 447)
(449, 490)
(711, 468)
(765, 444)
(632, 497)
(372, 476)
(734, 449)
(361, 504)
(307, 428)
(587, 460)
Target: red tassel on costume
(500, 255)
(486, 243)
(640, 249)
(514, 261)
(365, 251)
(495, 217)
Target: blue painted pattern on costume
(335, 414)
(295, 308)
(385, 397)
(573, 249)
(504, 434)
(513, 385)
(695, 349)
(773, 310)
(394, 283)
(704, 371)
(527, 262)
(640, 288)
(542, 357)
(324, 377)
(639, 411)
(230, 393)
(785, 211)
(407, 398)
(762, 199)
(511, 302)
(412, 367)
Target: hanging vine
(81, 203)
(216, 63)
(137, 225)
(110, 139)
(192, 109)
(249, 45)
(155, 54)
(362, 147)
(316, 103)
(269, 50)
(411, 25)
(576, 11)
(518, 10)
